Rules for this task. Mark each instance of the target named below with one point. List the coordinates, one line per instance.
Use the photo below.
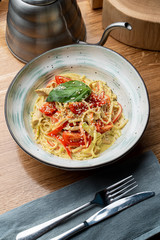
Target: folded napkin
(141, 221)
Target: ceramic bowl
(97, 63)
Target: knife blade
(106, 212)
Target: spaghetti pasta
(77, 129)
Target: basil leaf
(72, 91)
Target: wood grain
(143, 16)
(23, 178)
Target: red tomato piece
(58, 129)
(101, 127)
(48, 108)
(98, 100)
(61, 140)
(73, 138)
(61, 79)
(78, 107)
(118, 114)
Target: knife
(106, 212)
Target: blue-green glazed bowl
(97, 63)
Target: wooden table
(23, 178)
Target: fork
(102, 198)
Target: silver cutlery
(106, 212)
(102, 198)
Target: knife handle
(71, 232)
(38, 230)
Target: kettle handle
(39, 2)
(107, 31)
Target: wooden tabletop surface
(23, 178)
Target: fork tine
(122, 192)
(121, 186)
(118, 183)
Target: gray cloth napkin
(139, 222)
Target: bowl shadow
(49, 177)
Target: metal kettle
(36, 26)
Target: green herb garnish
(72, 91)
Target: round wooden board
(144, 17)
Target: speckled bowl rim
(115, 159)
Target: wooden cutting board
(144, 17)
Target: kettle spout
(112, 27)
